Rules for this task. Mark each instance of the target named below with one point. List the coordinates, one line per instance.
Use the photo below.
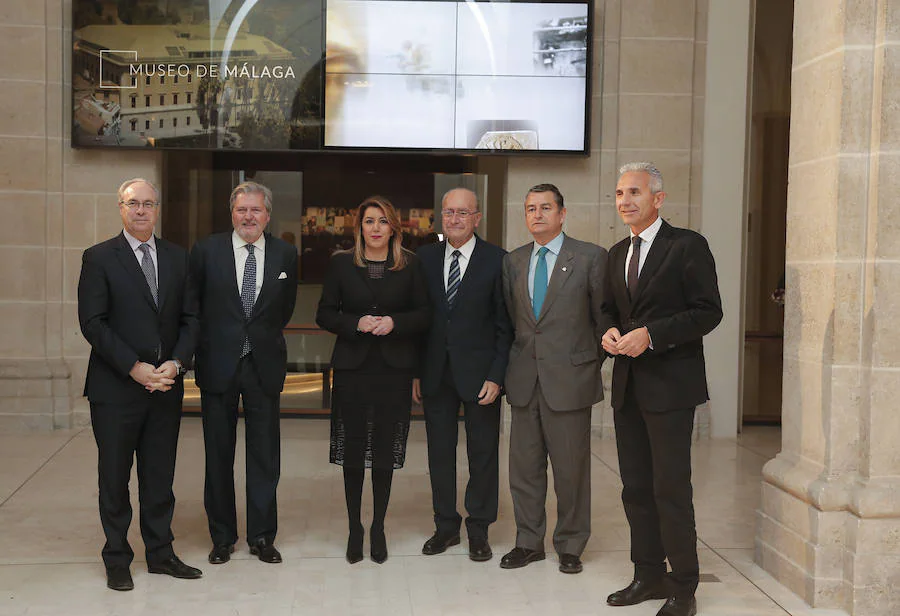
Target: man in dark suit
(554, 293)
(137, 312)
(247, 285)
(662, 298)
(463, 363)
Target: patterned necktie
(633, 266)
(149, 272)
(540, 281)
(453, 279)
(248, 292)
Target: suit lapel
(562, 269)
(434, 271)
(129, 262)
(226, 257)
(164, 269)
(471, 270)
(620, 290)
(658, 250)
(522, 283)
(270, 268)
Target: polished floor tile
(50, 563)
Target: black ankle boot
(355, 545)
(378, 543)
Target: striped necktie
(453, 279)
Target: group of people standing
(454, 326)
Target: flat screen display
(368, 75)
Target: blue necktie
(248, 293)
(540, 281)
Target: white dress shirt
(240, 259)
(135, 244)
(553, 248)
(465, 256)
(647, 236)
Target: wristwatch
(179, 368)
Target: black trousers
(655, 466)
(148, 430)
(263, 453)
(482, 443)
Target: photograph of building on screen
(186, 74)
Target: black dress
(372, 393)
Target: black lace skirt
(370, 417)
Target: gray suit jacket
(561, 348)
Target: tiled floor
(51, 538)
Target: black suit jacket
(476, 334)
(222, 322)
(678, 301)
(348, 294)
(123, 325)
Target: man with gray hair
(662, 297)
(138, 313)
(247, 285)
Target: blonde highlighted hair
(395, 246)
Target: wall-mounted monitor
(368, 75)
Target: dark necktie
(248, 292)
(633, 266)
(149, 272)
(453, 279)
(540, 281)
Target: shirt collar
(554, 245)
(649, 234)
(465, 250)
(238, 243)
(135, 242)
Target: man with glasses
(137, 311)
(463, 364)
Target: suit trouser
(149, 429)
(482, 443)
(536, 432)
(655, 466)
(263, 453)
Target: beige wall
(651, 58)
(60, 201)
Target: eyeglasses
(134, 204)
(464, 214)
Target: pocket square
(282, 276)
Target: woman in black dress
(375, 300)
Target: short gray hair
(656, 178)
(251, 188)
(129, 183)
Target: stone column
(829, 520)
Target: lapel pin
(564, 268)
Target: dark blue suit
(465, 346)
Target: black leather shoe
(519, 557)
(569, 563)
(378, 545)
(355, 545)
(119, 578)
(679, 606)
(439, 543)
(479, 549)
(639, 591)
(265, 551)
(174, 567)
(220, 554)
